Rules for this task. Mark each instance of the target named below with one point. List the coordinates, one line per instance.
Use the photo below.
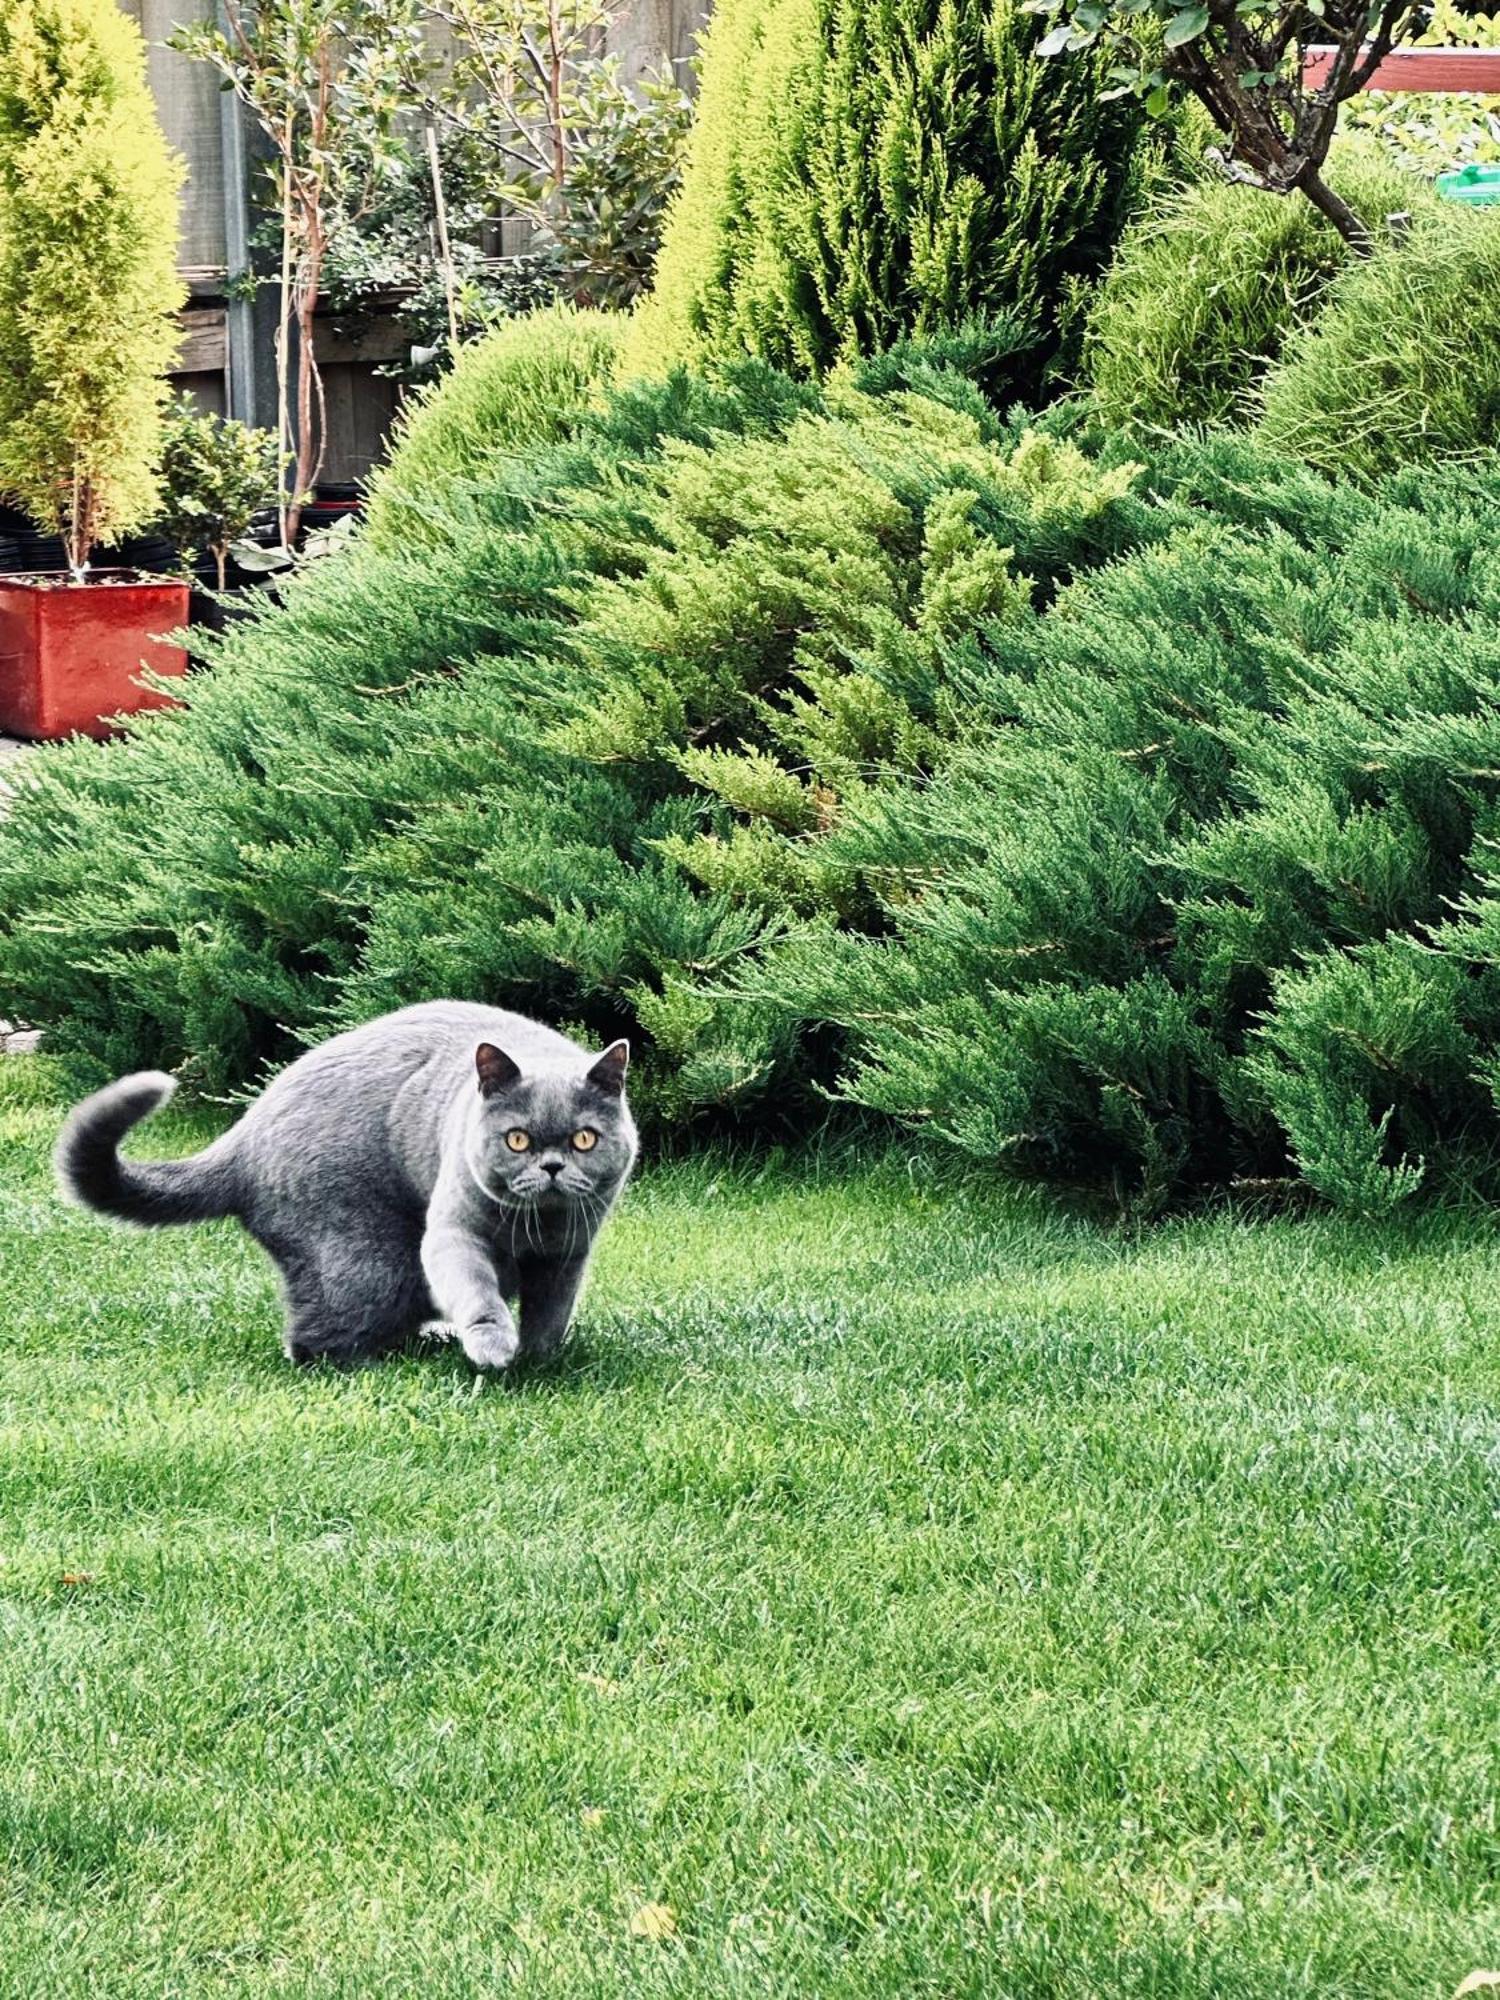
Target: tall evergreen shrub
(88, 279)
(861, 170)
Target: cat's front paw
(491, 1343)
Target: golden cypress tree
(865, 170)
(88, 280)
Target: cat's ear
(495, 1069)
(608, 1073)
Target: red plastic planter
(71, 653)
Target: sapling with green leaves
(327, 81)
(516, 80)
(215, 474)
(589, 159)
(1246, 62)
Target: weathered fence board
(1420, 69)
(188, 103)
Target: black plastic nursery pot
(332, 500)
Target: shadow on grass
(576, 1366)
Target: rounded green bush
(1403, 364)
(1207, 286)
(523, 385)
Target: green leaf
(1055, 41)
(1158, 102)
(1186, 25)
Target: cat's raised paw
(491, 1343)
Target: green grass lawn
(918, 1591)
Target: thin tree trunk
(440, 212)
(283, 334)
(75, 546)
(1349, 225)
(554, 95)
(309, 439)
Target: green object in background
(1472, 183)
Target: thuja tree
(1246, 63)
(88, 285)
(864, 170)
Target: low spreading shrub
(1402, 365)
(1203, 890)
(1125, 819)
(1207, 285)
(194, 895)
(455, 766)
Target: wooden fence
(1420, 69)
(227, 359)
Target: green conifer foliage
(1124, 820)
(1402, 365)
(539, 755)
(88, 280)
(1209, 282)
(862, 171)
(522, 386)
(1182, 910)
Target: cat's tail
(91, 1172)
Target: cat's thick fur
(386, 1174)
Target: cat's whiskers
(589, 1209)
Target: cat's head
(556, 1132)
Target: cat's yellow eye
(585, 1141)
(518, 1141)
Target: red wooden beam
(1420, 69)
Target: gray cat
(433, 1164)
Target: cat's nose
(553, 1167)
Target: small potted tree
(216, 475)
(88, 295)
